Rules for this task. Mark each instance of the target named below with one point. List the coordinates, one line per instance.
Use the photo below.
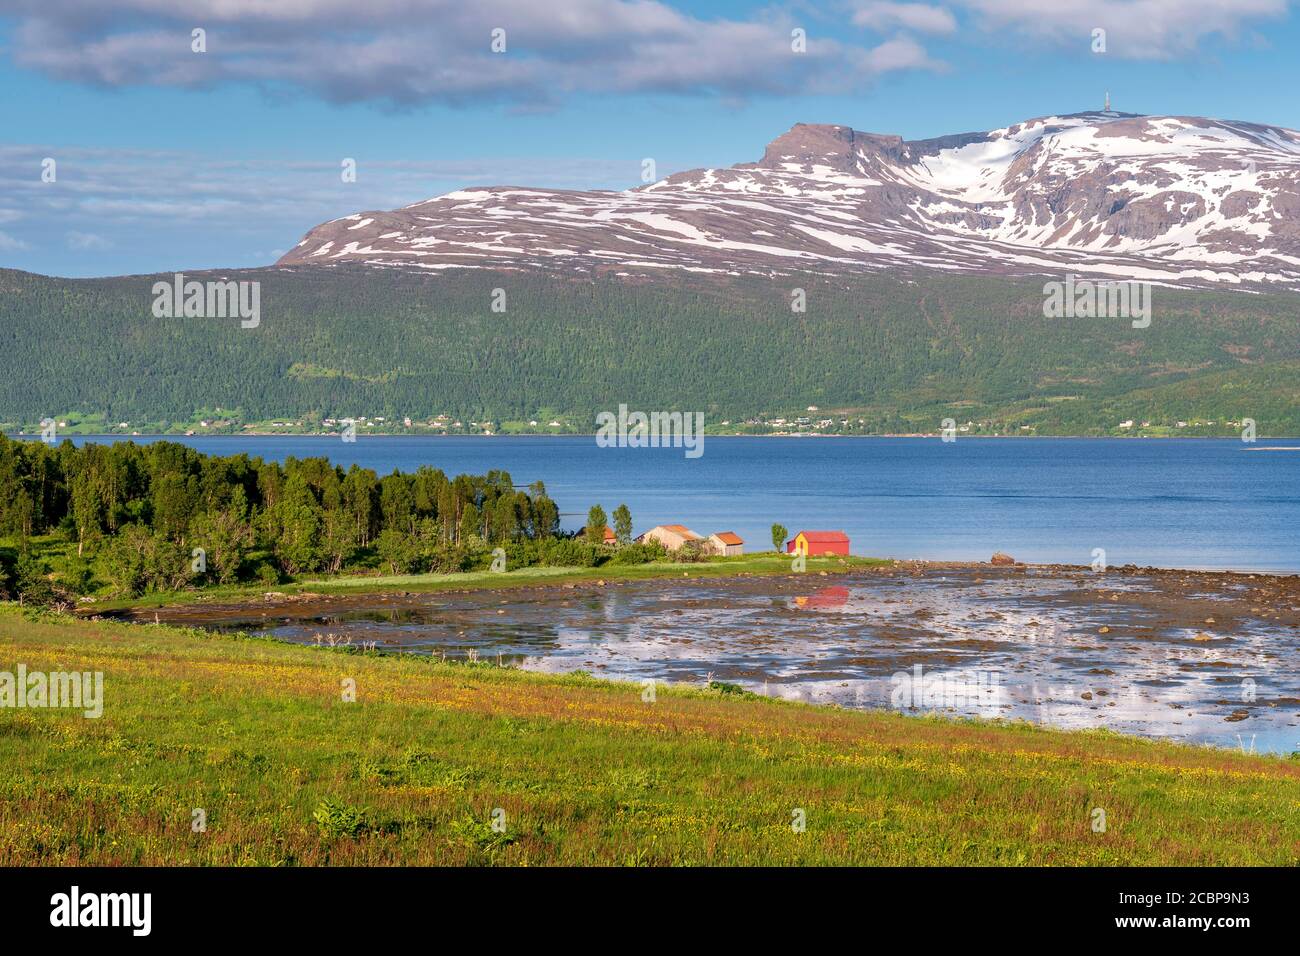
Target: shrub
(123, 561)
(336, 819)
(268, 573)
(398, 551)
(481, 835)
(136, 561)
(722, 687)
(571, 553)
(447, 559)
(77, 576)
(692, 552)
(521, 554)
(31, 581)
(639, 553)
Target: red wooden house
(818, 543)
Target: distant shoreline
(260, 434)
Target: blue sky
(170, 159)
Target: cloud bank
(404, 52)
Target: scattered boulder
(1001, 558)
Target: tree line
(134, 518)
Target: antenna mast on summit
(1107, 109)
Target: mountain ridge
(1174, 200)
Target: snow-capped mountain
(1171, 199)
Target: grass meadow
(765, 563)
(475, 764)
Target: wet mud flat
(1200, 656)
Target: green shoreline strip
(762, 564)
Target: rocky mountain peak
(1172, 199)
(809, 145)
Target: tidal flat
(1192, 656)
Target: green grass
(763, 563)
(574, 770)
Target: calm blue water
(1189, 503)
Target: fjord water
(1181, 503)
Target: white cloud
(408, 52)
(87, 241)
(123, 205)
(920, 17)
(1138, 29)
(900, 53)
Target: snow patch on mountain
(1172, 199)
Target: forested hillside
(901, 354)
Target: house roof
(679, 529)
(823, 535)
(729, 537)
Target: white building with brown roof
(671, 536)
(726, 543)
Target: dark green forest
(899, 352)
(125, 519)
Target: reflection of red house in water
(836, 596)
(817, 543)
